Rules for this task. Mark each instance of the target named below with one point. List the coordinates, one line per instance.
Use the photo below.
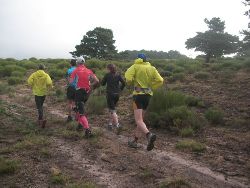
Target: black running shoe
(69, 119)
(151, 140)
(88, 133)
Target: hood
(40, 73)
(140, 61)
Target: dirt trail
(111, 163)
(190, 170)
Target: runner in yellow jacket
(144, 78)
(40, 83)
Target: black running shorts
(71, 93)
(141, 101)
(112, 100)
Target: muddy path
(108, 161)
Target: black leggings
(39, 105)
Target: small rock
(105, 158)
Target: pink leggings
(83, 121)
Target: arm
(157, 79)
(95, 81)
(31, 80)
(104, 80)
(130, 74)
(122, 82)
(49, 81)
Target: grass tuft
(190, 145)
(8, 166)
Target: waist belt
(143, 90)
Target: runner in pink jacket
(81, 78)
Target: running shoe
(88, 133)
(69, 119)
(151, 140)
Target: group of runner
(141, 76)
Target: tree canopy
(214, 42)
(98, 43)
(245, 45)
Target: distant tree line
(99, 43)
(151, 54)
(213, 43)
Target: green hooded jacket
(143, 76)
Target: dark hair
(41, 67)
(112, 68)
(73, 62)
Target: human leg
(112, 100)
(81, 98)
(39, 105)
(140, 105)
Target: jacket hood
(40, 73)
(140, 61)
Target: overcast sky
(52, 28)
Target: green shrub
(190, 145)
(96, 63)
(153, 119)
(57, 73)
(8, 69)
(186, 132)
(14, 80)
(169, 67)
(28, 64)
(168, 99)
(214, 115)
(96, 104)
(193, 68)
(246, 64)
(165, 73)
(191, 100)
(8, 166)
(177, 76)
(58, 179)
(17, 74)
(63, 65)
(4, 88)
(179, 113)
(179, 70)
(201, 75)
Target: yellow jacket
(143, 75)
(40, 82)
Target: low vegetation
(214, 115)
(8, 166)
(190, 145)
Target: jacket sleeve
(157, 79)
(122, 82)
(130, 75)
(49, 81)
(31, 80)
(104, 80)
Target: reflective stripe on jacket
(143, 75)
(40, 82)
